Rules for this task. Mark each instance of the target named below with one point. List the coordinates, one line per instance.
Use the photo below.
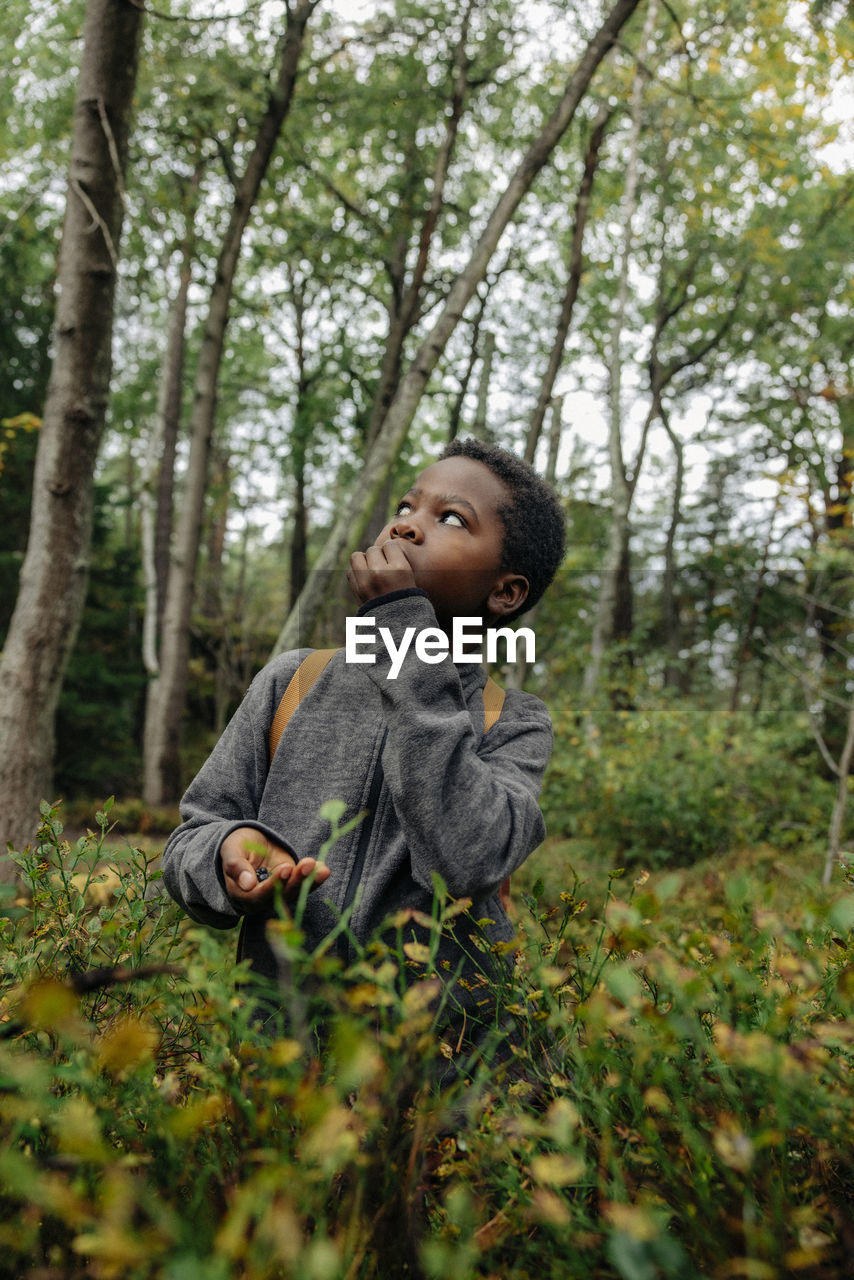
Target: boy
(479, 534)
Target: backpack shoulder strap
(300, 683)
(316, 662)
(493, 701)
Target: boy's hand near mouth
(380, 569)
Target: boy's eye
(403, 508)
(454, 518)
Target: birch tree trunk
(351, 523)
(480, 429)
(609, 602)
(157, 499)
(669, 600)
(167, 692)
(456, 413)
(516, 674)
(406, 296)
(834, 840)
(55, 570)
(745, 649)
(300, 439)
(573, 282)
(834, 611)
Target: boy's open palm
(245, 851)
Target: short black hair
(534, 525)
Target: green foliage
(674, 782)
(101, 702)
(675, 1101)
(26, 310)
(18, 442)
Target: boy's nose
(405, 527)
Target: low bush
(670, 784)
(129, 815)
(671, 1103)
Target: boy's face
(449, 529)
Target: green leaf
(440, 889)
(631, 1258)
(333, 811)
(737, 890)
(623, 984)
(841, 914)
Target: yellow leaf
(733, 1145)
(548, 1207)
(126, 1044)
(333, 1140)
(657, 1100)
(422, 995)
(27, 421)
(750, 1268)
(562, 1120)
(366, 995)
(557, 1170)
(50, 1006)
(201, 1114)
(78, 1130)
(417, 951)
(633, 1219)
(114, 1246)
(284, 1052)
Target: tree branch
(113, 149)
(97, 220)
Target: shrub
(670, 784)
(672, 1104)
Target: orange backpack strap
(493, 701)
(310, 668)
(300, 683)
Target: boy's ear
(509, 594)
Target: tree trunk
(405, 299)
(167, 692)
(516, 674)
(300, 437)
(834, 841)
(745, 650)
(669, 600)
(614, 571)
(157, 502)
(211, 596)
(54, 574)
(456, 413)
(833, 613)
(573, 283)
(480, 428)
(299, 531)
(350, 525)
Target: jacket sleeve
(468, 802)
(224, 795)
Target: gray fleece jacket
(442, 795)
